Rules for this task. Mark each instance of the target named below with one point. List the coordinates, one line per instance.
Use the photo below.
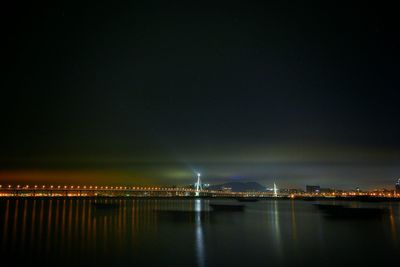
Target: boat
(227, 207)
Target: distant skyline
(151, 92)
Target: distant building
(326, 190)
(313, 188)
(291, 191)
(398, 187)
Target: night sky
(149, 92)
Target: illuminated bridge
(117, 191)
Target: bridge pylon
(275, 191)
(198, 185)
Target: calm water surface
(166, 232)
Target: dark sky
(149, 92)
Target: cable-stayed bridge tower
(198, 185)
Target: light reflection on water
(199, 234)
(276, 229)
(168, 232)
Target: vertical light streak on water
(113, 224)
(136, 226)
(199, 234)
(23, 231)
(146, 215)
(40, 231)
(392, 224)
(82, 232)
(105, 237)
(133, 218)
(77, 216)
(154, 215)
(69, 225)
(15, 225)
(89, 233)
(294, 226)
(277, 230)
(33, 221)
(49, 225)
(120, 236)
(62, 229)
(124, 217)
(94, 231)
(56, 221)
(83, 224)
(126, 220)
(5, 227)
(121, 227)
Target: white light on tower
(275, 191)
(198, 185)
